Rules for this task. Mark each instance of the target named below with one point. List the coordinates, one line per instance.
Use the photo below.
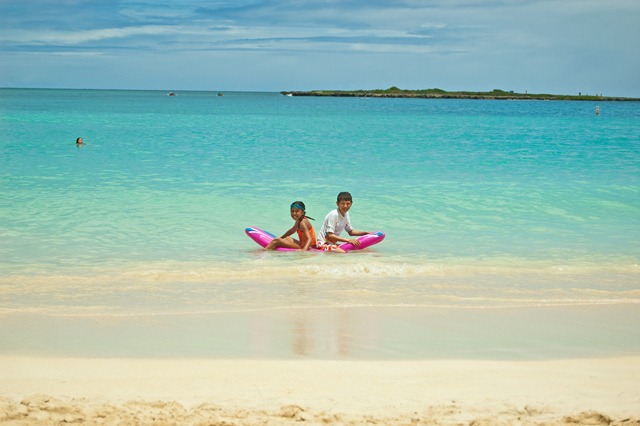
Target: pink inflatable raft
(262, 238)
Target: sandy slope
(194, 392)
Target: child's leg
(287, 242)
(330, 247)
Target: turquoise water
(485, 203)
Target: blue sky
(539, 46)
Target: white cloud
(409, 43)
(65, 37)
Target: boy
(334, 223)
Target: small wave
(311, 267)
(312, 282)
(489, 304)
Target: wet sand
(353, 333)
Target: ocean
(496, 213)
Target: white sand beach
(601, 391)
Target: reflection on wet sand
(302, 336)
(335, 332)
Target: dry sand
(250, 392)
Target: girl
(306, 234)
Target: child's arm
(289, 232)
(333, 238)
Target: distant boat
(220, 94)
(171, 94)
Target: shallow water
(486, 204)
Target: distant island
(497, 94)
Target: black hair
(299, 204)
(344, 196)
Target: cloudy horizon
(535, 46)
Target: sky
(535, 46)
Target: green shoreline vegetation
(497, 94)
